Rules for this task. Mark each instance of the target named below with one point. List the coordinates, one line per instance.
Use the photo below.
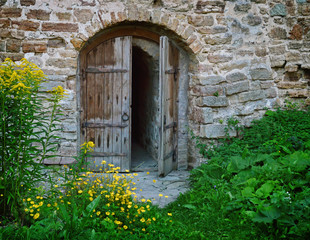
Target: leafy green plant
(26, 133)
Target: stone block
(56, 43)
(4, 23)
(255, 85)
(61, 63)
(196, 46)
(219, 58)
(278, 33)
(277, 50)
(188, 32)
(278, 10)
(64, 16)
(212, 101)
(213, 30)
(200, 20)
(13, 56)
(49, 85)
(204, 6)
(302, 93)
(206, 90)
(219, 39)
(292, 76)
(77, 43)
(296, 32)
(10, 12)
(27, 2)
(260, 51)
(249, 107)
(260, 73)
(242, 7)
(13, 45)
(37, 47)
(215, 131)
(26, 25)
(295, 45)
(252, 20)
(235, 76)
(304, 9)
(292, 85)
(60, 27)
(83, 15)
(293, 56)
(211, 79)
(38, 14)
(266, 84)
(291, 68)
(2, 46)
(271, 92)
(237, 87)
(202, 115)
(251, 95)
(234, 65)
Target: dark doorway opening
(144, 150)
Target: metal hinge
(83, 74)
(173, 71)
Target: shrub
(258, 183)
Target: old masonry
(141, 73)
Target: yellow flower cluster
(118, 203)
(88, 146)
(19, 79)
(58, 93)
(33, 206)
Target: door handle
(125, 117)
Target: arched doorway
(129, 96)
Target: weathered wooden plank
(126, 102)
(107, 154)
(103, 125)
(117, 99)
(106, 70)
(169, 61)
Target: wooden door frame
(118, 31)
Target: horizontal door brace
(102, 125)
(107, 154)
(105, 70)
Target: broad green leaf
(237, 163)
(247, 192)
(64, 213)
(271, 212)
(93, 205)
(265, 190)
(189, 206)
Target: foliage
(92, 206)
(255, 186)
(26, 132)
(279, 132)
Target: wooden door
(105, 102)
(168, 87)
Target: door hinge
(174, 156)
(83, 74)
(175, 74)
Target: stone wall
(245, 55)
